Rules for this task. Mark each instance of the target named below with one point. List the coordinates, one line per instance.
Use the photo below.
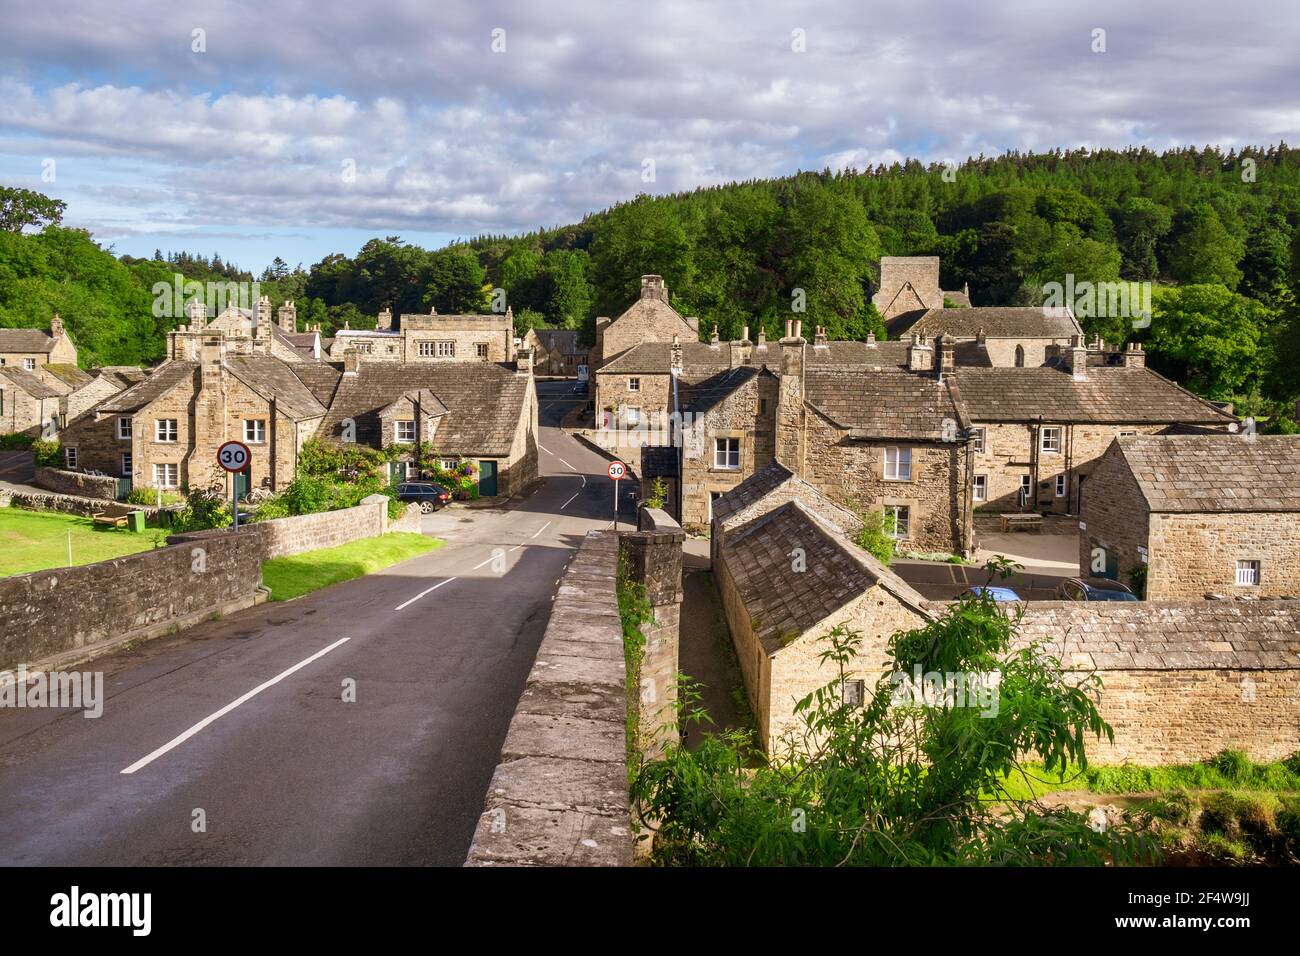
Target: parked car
(1093, 589)
(427, 494)
(996, 592)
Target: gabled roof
(165, 377)
(888, 403)
(1215, 473)
(564, 341)
(274, 379)
(1166, 635)
(70, 375)
(34, 385)
(430, 404)
(709, 393)
(997, 321)
(484, 403)
(782, 605)
(321, 377)
(1109, 394)
(25, 340)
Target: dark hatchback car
(429, 496)
(1093, 589)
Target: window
(166, 475)
(255, 431)
(1020, 356)
(365, 348)
(1127, 434)
(404, 432)
(29, 364)
(898, 520)
(632, 414)
(164, 429)
(980, 487)
(1248, 572)
(2, 363)
(425, 349)
(1061, 486)
(853, 692)
(446, 349)
(634, 385)
(70, 459)
(1026, 490)
(481, 349)
(2, 397)
(1051, 439)
(898, 464)
(124, 429)
(128, 464)
(977, 439)
(726, 453)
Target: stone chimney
(288, 316)
(744, 336)
(212, 353)
(981, 339)
(653, 287)
(762, 337)
(1076, 358)
(790, 439)
(197, 313)
(675, 357)
(351, 362)
(384, 321)
(871, 340)
(920, 357)
(740, 351)
(524, 362)
(944, 353)
(1134, 357)
(713, 338)
(56, 326)
(819, 337)
(264, 318)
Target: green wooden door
(241, 484)
(487, 478)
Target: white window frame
(1126, 434)
(894, 511)
(978, 438)
(257, 434)
(634, 384)
(162, 474)
(481, 349)
(1249, 572)
(425, 349)
(399, 427)
(445, 349)
(166, 435)
(1027, 486)
(895, 470)
(724, 451)
(128, 464)
(70, 457)
(1057, 432)
(979, 487)
(29, 364)
(124, 428)
(632, 414)
(1062, 486)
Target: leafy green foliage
(20, 208)
(205, 508)
(145, 495)
(657, 494)
(46, 453)
(876, 536)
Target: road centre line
(422, 594)
(177, 741)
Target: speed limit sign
(617, 470)
(233, 456)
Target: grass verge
(37, 540)
(301, 574)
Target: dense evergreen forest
(1217, 233)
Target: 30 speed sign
(233, 456)
(617, 470)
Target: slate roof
(754, 488)
(701, 396)
(137, 396)
(650, 358)
(31, 383)
(997, 321)
(321, 377)
(67, 373)
(959, 299)
(889, 403)
(702, 358)
(1111, 394)
(273, 378)
(1166, 635)
(783, 604)
(484, 403)
(25, 340)
(1215, 473)
(564, 341)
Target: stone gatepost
(654, 552)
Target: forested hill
(1217, 232)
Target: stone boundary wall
(65, 482)
(65, 504)
(559, 796)
(66, 615)
(654, 552)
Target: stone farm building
(1196, 515)
(558, 352)
(430, 338)
(242, 377)
(28, 348)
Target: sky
(298, 129)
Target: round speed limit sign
(233, 456)
(617, 470)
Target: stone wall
(559, 796)
(66, 504)
(1191, 555)
(282, 537)
(75, 483)
(71, 614)
(1114, 519)
(654, 552)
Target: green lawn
(300, 574)
(36, 540)
(1227, 771)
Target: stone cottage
(1196, 515)
(557, 352)
(430, 338)
(649, 319)
(27, 348)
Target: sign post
(617, 470)
(234, 457)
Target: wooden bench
(1022, 522)
(115, 514)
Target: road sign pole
(615, 504)
(234, 502)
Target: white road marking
(576, 493)
(567, 465)
(541, 529)
(422, 594)
(543, 448)
(177, 741)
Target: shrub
(876, 536)
(146, 495)
(1176, 807)
(16, 440)
(1233, 764)
(46, 453)
(658, 493)
(203, 510)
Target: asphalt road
(438, 647)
